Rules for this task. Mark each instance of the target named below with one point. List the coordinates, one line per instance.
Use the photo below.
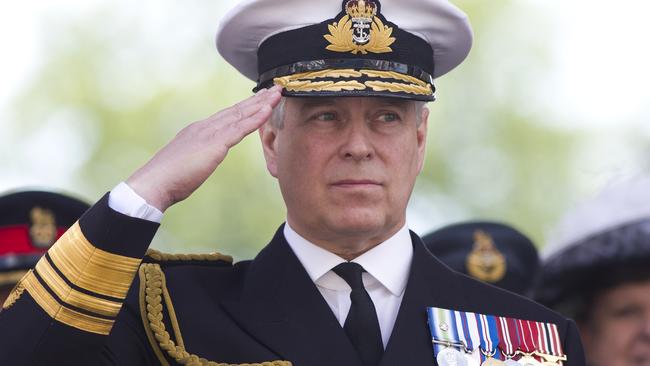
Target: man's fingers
(254, 121)
(233, 124)
(248, 125)
(245, 108)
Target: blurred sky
(598, 80)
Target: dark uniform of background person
(30, 222)
(492, 252)
(597, 271)
(343, 281)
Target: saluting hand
(180, 167)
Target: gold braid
(394, 75)
(399, 87)
(14, 295)
(160, 256)
(306, 85)
(152, 281)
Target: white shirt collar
(389, 262)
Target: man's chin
(361, 222)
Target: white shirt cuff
(125, 200)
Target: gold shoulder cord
(163, 257)
(152, 286)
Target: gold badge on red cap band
(360, 30)
(42, 230)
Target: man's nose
(357, 141)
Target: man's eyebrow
(308, 103)
(394, 102)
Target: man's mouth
(356, 183)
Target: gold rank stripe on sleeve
(91, 268)
(61, 313)
(80, 285)
(73, 297)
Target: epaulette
(170, 259)
(158, 314)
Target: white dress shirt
(387, 265)
(387, 268)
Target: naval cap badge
(360, 30)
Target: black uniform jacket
(200, 310)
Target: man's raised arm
(62, 312)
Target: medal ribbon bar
(528, 343)
(550, 349)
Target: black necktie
(361, 325)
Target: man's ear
(269, 138)
(422, 137)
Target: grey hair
(419, 105)
(277, 116)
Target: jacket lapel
(282, 308)
(430, 283)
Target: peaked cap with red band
(30, 222)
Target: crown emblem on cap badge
(43, 227)
(485, 262)
(360, 30)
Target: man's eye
(389, 117)
(326, 116)
(627, 311)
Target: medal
(468, 334)
(445, 338)
(527, 343)
(550, 349)
(529, 361)
(509, 336)
(489, 340)
(473, 359)
(451, 357)
(511, 362)
(492, 362)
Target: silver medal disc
(529, 361)
(511, 362)
(451, 357)
(471, 360)
(492, 362)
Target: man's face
(346, 166)
(618, 331)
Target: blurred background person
(491, 252)
(30, 222)
(597, 271)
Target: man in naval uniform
(343, 86)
